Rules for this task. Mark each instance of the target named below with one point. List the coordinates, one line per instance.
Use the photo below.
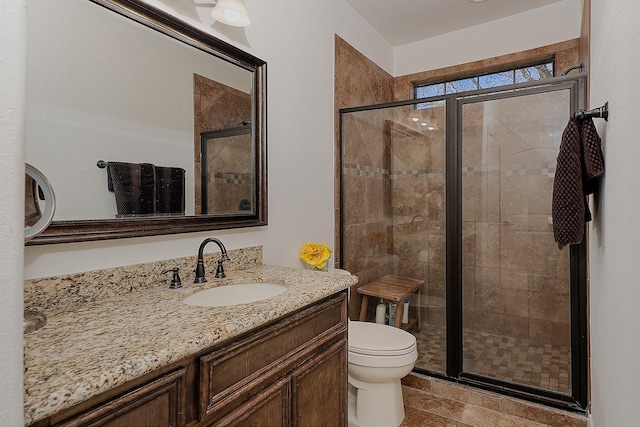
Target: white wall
(615, 251)
(545, 25)
(12, 87)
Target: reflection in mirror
(227, 184)
(39, 202)
(32, 198)
(219, 107)
(101, 86)
(144, 189)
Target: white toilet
(379, 356)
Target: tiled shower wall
(358, 81)
(393, 232)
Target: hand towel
(580, 164)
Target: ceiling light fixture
(231, 12)
(477, 1)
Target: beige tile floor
(431, 402)
(438, 403)
(506, 358)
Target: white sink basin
(241, 293)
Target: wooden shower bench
(395, 289)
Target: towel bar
(600, 112)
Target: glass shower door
(393, 212)
(515, 281)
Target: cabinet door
(232, 375)
(269, 408)
(320, 389)
(156, 404)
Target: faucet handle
(175, 281)
(220, 269)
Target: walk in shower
(456, 191)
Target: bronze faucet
(200, 266)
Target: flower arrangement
(315, 255)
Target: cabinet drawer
(158, 403)
(270, 407)
(229, 376)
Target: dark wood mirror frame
(158, 20)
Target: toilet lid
(376, 339)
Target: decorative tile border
(374, 172)
(232, 178)
(547, 169)
(366, 171)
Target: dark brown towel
(170, 190)
(580, 164)
(134, 185)
(32, 212)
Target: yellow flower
(315, 254)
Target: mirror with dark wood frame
(120, 97)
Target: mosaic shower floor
(510, 359)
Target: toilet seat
(373, 344)
(379, 340)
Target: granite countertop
(90, 349)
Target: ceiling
(407, 21)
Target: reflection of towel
(580, 164)
(146, 189)
(32, 212)
(134, 185)
(170, 190)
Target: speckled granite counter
(94, 347)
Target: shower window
(503, 78)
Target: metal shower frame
(578, 399)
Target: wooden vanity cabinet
(298, 364)
(291, 372)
